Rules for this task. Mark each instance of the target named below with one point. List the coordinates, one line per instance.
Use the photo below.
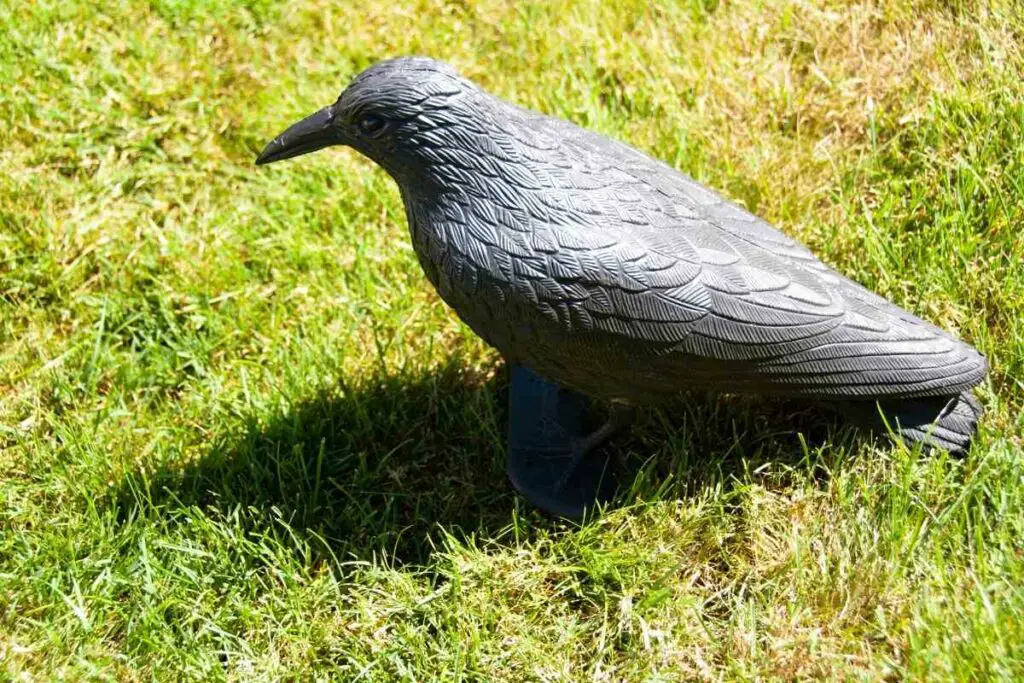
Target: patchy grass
(241, 439)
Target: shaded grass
(241, 439)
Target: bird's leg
(620, 417)
(553, 453)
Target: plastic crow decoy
(602, 273)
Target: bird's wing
(628, 246)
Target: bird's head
(397, 112)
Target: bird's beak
(308, 135)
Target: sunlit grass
(241, 438)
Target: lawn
(241, 438)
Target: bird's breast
(472, 265)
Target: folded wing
(639, 251)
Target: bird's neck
(464, 158)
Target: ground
(242, 439)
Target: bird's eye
(372, 125)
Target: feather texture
(610, 272)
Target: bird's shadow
(386, 466)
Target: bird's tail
(946, 422)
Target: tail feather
(946, 422)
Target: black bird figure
(602, 273)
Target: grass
(240, 438)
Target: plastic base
(554, 459)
